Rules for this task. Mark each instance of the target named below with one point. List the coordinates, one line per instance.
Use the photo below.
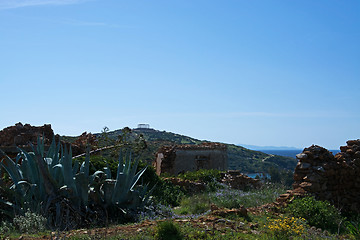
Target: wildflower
(285, 227)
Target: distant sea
(285, 153)
(290, 153)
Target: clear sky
(260, 72)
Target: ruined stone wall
(23, 135)
(20, 135)
(232, 178)
(165, 160)
(182, 158)
(193, 160)
(236, 180)
(328, 177)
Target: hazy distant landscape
(290, 153)
(239, 158)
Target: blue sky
(263, 72)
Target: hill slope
(240, 158)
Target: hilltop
(240, 158)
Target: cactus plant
(49, 183)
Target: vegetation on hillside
(239, 158)
(50, 190)
(194, 219)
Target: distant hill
(240, 158)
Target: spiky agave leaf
(67, 170)
(29, 167)
(125, 180)
(46, 178)
(107, 172)
(82, 187)
(11, 168)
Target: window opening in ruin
(202, 162)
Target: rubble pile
(189, 186)
(24, 135)
(232, 178)
(84, 139)
(224, 212)
(21, 135)
(328, 177)
(80, 144)
(236, 180)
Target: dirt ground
(215, 221)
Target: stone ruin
(81, 142)
(231, 178)
(328, 177)
(182, 158)
(236, 180)
(23, 135)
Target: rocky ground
(216, 221)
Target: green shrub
(195, 204)
(209, 176)
(30, 223)
(150, 177)
(282, 176)
(353, 227)
(168, 231)
(98, 162)
(320, 214)
(167, 193)
(233, 198)
(204, 175)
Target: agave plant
(49, 183)
(121, 192)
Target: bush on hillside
(203, 175)
(320, 214)
(168, 194)
(282, 176)
(168, 230)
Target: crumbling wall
(182, 158)
(80, 144)
(165, 160)
(232, 178)
(196, 159)
(328, 177)
(23, 135)
(189, 186)
(20, 135)
(236, 180)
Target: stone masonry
(236, 180)
(182, 158)
(328, 177)
(23, 135)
